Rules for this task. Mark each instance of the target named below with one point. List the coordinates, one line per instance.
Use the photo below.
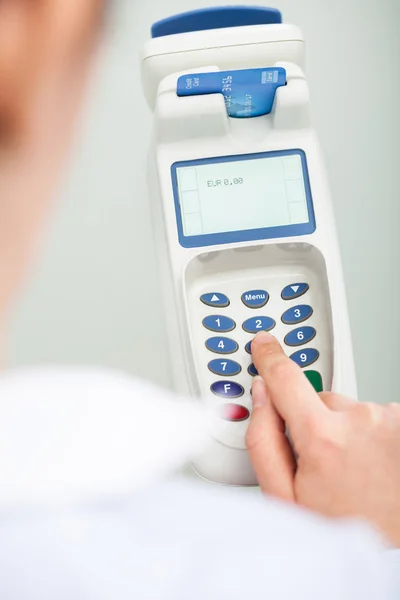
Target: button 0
(255, 298)
(300, 336)
(257, 324)
(219, 323)
(233, 412)
(295, 290)
(227, 389)
(215, 299)
(305, 358)
(222, 345)
(297, 314)
(224, 367)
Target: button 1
(233, 412)
(297, 314)
(255, 298)
(219, 323)
(300, 336)
(315, 379)
(305, 358)
(295, 290)
(257, 324)
(248, 347)
(215, 299)
(252, 370)
(227, 389)
(221, 345)
(224, 367)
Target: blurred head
(45, 52)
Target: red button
(234, 412)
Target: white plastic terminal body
(196, 127)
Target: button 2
(295, 290)
(219, 323)
(300, 336)
(215, 299)
(257, 324)
(222, 345)
(227, 389)
(233, 412)
(305, 358)
(297, 314)
(224, 367)
(255, 298)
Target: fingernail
(263, 337)
(258, 392)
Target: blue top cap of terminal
(216, 18)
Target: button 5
(227, 389)
(252, 370)
(305, 358)
(300, 336)
(255, 298)
(215, 299)
(222, 345)
(219, 323)
(295, 290)
(257, 324)
(224, 367)
(297, 314)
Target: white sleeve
(81, 515)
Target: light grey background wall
(94, 297)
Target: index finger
(291, 393)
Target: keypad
(226, 367)
(294, 290)
(300, 336)
(292, 330)
(227, 389)
(215, 299)
(255, 298)
(256, 324)
(219, 323)
(222, 345)
(297, 314)
(306, 357)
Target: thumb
(269, 448)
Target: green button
(315, 379)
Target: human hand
(348, 460)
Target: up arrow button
(215, 299)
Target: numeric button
(255, 298)
(222, 345)
(300, 336)
(297, 314)
(219, 323)
(215, 299)
(252, 370)
(257, 324)
(305, 358)
(295, 290)
(226, 367)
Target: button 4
(255, 298)
(222, 345)
(215, 299)
(219, 323)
